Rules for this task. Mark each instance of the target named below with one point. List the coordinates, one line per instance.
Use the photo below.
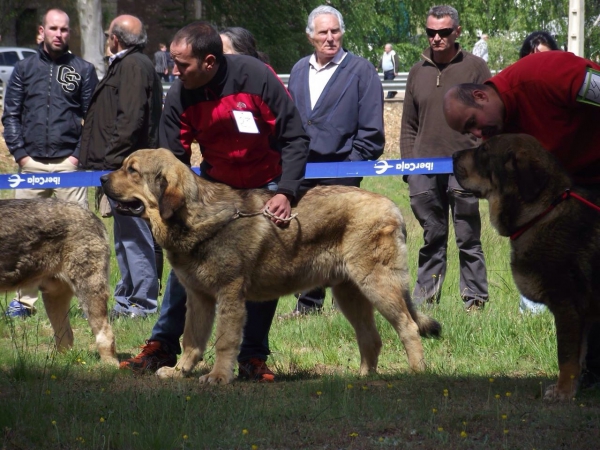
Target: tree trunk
(92, 34)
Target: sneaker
(255, 369)
(153, 356)
(17, 309)
(114, 315)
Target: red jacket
(539, 93)
(241, 160)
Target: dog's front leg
(569, 335)
(231, 315)
(199, 318)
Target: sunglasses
(443, 32)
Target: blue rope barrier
(392, 167)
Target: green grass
(483, 387)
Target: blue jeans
(259, 316)
(137, 290)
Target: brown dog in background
(555, 238)
(225, 251)
(63, 249)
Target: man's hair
(464, 93)
(129, 39)
(58, 10)
(536, 38)
(441, 11)
(203, 38)
(319, 10)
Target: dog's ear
(530, 174)
(171, 199)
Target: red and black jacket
(241, 160)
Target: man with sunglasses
(425, 134)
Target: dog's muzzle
(133, 207)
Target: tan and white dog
(224, 252)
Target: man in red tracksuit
(251, 136)
(554, 97)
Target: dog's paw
(110, 361)
(169, 372)
(216, 378)
(554, 394)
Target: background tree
(92, 33)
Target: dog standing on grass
(225, 251)
(64, 249)
(554, 228)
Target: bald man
(123, 117)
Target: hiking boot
(255, 369)
(474, 305)
(16, 309)
(153, 356)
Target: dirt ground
(392, 117)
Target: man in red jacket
(555, 97)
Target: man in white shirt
(340, 99)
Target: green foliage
(408, 55)
(370, 24)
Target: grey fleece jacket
(424, 132)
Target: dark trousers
(432, 197)
(312, 301)
(389, 76)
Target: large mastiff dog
(224, 251)
(63, 249)
(555, 238)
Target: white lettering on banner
(404, 166)
(411, 166)
(33, 180)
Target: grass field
(483, 387)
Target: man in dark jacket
(340, 99)
(46, 99)
(424, 134)
(123, 117)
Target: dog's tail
(428, 327)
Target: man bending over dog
(251, 136)
(554, 97)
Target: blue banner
(380, 168)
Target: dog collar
(564, 196)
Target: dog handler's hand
(280, 207)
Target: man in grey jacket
(123, 117)
(425, 134)
(340, 99)
(45, 101)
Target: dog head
(515, 174)
(151, 180)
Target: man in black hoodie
(46, 98)
(123, 117)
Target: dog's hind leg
(359, 312)
(387, 292)
(199, 319)
(57, 294)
